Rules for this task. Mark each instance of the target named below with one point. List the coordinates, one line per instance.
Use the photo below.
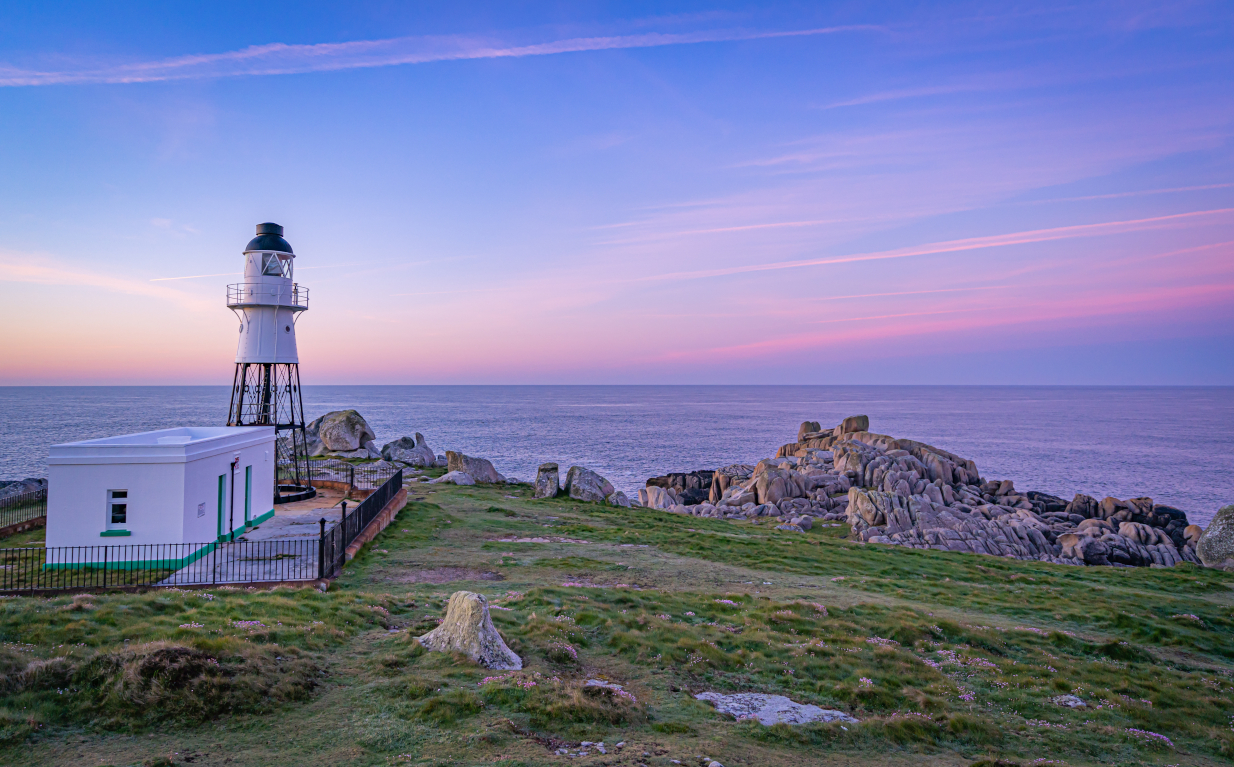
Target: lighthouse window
(117, 509)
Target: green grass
(945, 658)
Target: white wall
(77, 503)
(201, 486)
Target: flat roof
(176, 445)
(181, 435)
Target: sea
(1173, 444)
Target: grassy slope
(325, 679)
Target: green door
(222, 503)
(248, 495)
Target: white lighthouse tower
(266, 389)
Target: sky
(624, 193)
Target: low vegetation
(948, 659)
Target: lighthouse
(266, 388)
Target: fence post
(321, 549)
(105, 567)
(351, 483)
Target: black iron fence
(158, 564)
(15, 509)
(193, 564)
(363, 476)
(334, 542)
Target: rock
(808, 427)
(690, 488)
(583, 484)
(453, 478)
(1193, 533)
(1216, 546)
(21, 486)
(771, 709)
(1070, 701)
(340, 431)
(852, 424)
(618, 499)
(655, 497)
(547, 483)
(469, 629)
(409, 450)
(478, 469)
(806, 523)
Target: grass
(946, 658)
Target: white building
(184, 485)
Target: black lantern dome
(269, 237)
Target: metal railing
(263, 294)
(158, 564)
(15, 509)
(334, 542)
(357, 476)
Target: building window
(117, 509)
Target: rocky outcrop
(469, 629)
(343, 433)
(478, 469)
(909, 493)
(690, 488)
(1215, 546)
(656, 497)
(547, 482)
(412, 451)
(583, 484)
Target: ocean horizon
(1173, 444)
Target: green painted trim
(137, 564)
(114, 533)
(268, 515)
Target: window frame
(111, 502)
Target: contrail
(284, 59)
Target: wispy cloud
(28, 268)
(284, 59)
(952, 246)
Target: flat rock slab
(539, 539)
(771, 709)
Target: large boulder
(853, 423)
(341, 431)
(808, 427)
(548, 482)
(412, 451)
(583, 484)
(774, 485)
(469, 629)
(618, 499)
(656, 497)
(478, 469)
(1216, 546)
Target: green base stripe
(114, 533)
(135, 564)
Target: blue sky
(625, 193)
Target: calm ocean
(1173, 444)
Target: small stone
(1070, 701)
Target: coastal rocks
(808, 427)
(479, 469)
(583, 484)
(13, 487)
(341, 431)
(412, 451)
(1216, 545)
(547, 482)
(469, 629)
(655, 497)
(453, 478)
(771, 709)
(691, 488)
(853, 423)
(618, 499)
(727, 476)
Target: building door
(222, 503)
(248, 495)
